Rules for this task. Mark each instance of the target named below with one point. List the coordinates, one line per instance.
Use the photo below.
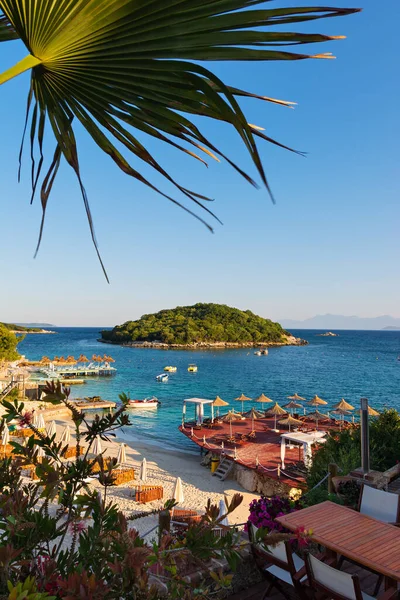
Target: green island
(215, 325)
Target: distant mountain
(329, 322)
(35, 324)
(391, 328)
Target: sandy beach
(163, 467)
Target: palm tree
(120, 65)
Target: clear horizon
(329, 245)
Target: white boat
(162, 377)
(264, 351)
(152, 402)
(257, 353)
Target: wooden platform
(262, 453)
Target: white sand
(163, 467)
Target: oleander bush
(61, 540)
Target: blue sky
(330, 244)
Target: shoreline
(290, 341)
(41, 332)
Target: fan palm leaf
(117, 66)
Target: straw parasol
(296, 397)
(263, 399)
(44, 360)
(96, 448)
(219, 402)
(51, 429)
(242, 398)
(317, 401)
(222, 512)
(229, 417)
(276, 411)
(292, 405)
(177, 493)
(5, 436)
(41, 453)
(343, 405)
(66, 435)
(121, 456)
(372, 412)
(83, 359)
(341, 412)
(110, 359)
(143, 470)
(290, 421)
(317, 416)
(253, 414)
(71, 360)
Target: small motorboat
(257, 353)
(192, 368)
(264, 351)
(152, 402)
(162, 377)
(171, 369)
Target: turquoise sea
(353, 365)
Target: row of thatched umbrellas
(342, 408)
(82, 359)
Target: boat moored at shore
(151, 402)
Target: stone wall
(252, 481)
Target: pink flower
(26, 419)
(76, 527)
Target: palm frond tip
(122, 66)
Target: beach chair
(331, 583)
(279, 565)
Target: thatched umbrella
(44, 360)
(263, 399)
(242, 398)
(292, 405)
(95, 358)
(343, 405)
(110, 359)
(83, 359)
(341, 412)
(290, 421)
(56, 359)
(372, 412)
(317, 416)
(219, 402)
(276, 411)
(253, 414)
(296, 397)
(229, 417)
(317, 401)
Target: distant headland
(200, 326)
(25, 329)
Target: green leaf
(118, 65)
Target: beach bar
(199, 404)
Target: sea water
(353, 365)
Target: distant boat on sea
(192, 368)
(152, 402)
(162, 377)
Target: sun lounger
(148, 493)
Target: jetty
(91, 404)
(78, 372)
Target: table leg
(390, 584)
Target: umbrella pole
(252, 422)
(275, 421)
(230, 428)
(242, 407)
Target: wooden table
(369, 542)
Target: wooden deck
(262, 453)
(368, 581)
